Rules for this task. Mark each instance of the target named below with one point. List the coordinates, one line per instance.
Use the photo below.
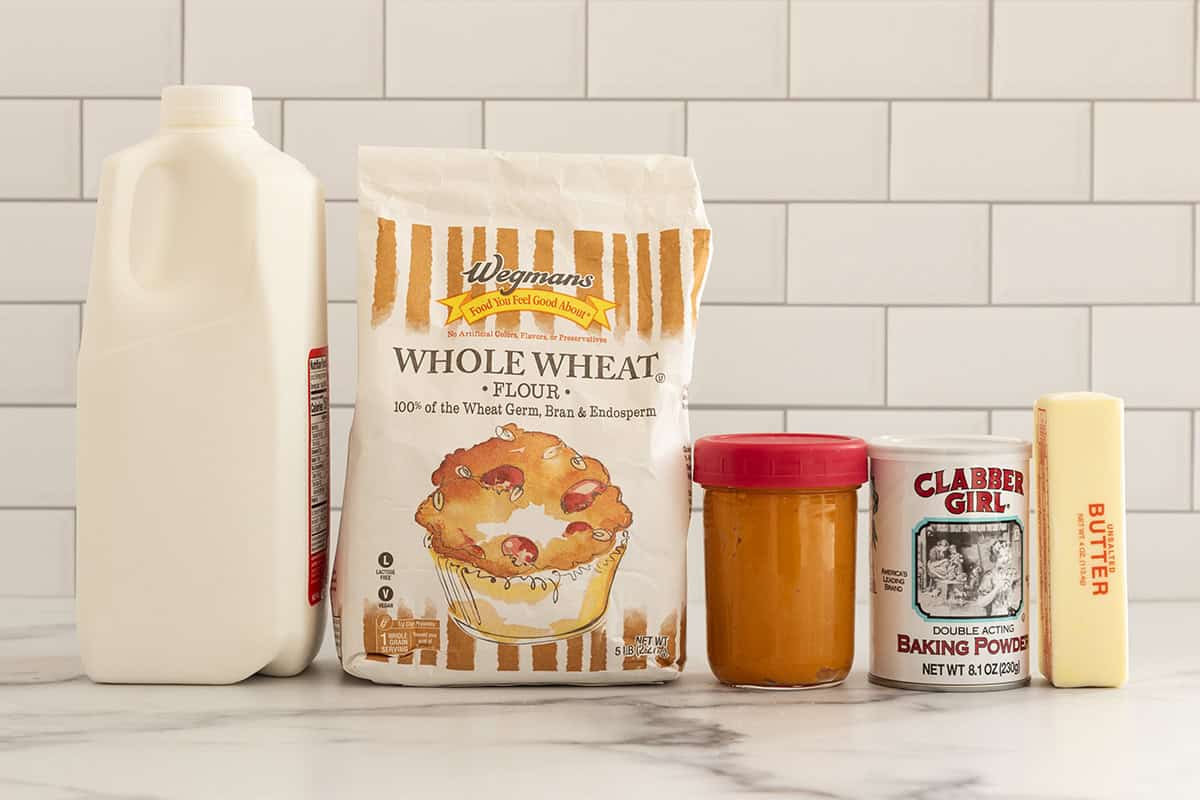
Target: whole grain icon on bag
(517, 493)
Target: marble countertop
(326, 735)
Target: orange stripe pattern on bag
(621, 283)
(645, 296)
(671, 282)
(545, 657)
(509, 249)
(543, 261)
(454, 260)
(508, 658)
(589, 255)
(420, 277)
(701, 250)
(575, 654)
(641, 290)
(599, 651)
(460, 648)
(384, 296)
(478, 253)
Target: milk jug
(203, 460)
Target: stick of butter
(1080, 461)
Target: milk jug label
(318, 472)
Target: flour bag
(517, 490)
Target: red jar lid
(780, 461)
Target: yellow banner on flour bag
(517, 492)
(582, 312)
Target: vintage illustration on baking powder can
(949, 561)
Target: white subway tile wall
(1092, 254)
(888, 253)
(751, 264)
(341, 251)
(982, 357)
(45, 541)
(1143, 353)
(925, 212)
(76, 48)
(990, 151)
(325, 134)
(38, 359)
(782, 355)
(47, 250)
(685, 48)
(881, 48)
(1146, 151)
(452, 48)
(41, 154)
(1117, 49)
(582, 126)
(284, 48)
(748, 150)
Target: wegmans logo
(515, 293)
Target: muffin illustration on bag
(526, 534)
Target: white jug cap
(196, 106)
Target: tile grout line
(761, 100)
(871, 201)
(787, 60)
(991, 49)
(887, 176)
(1092, 151)
(182, 38)
(80, 150)
(787, 251)
(718, 201)
(1091, 350)
(685, 127)
(36, 508)
(1192, 466)
(483, 123)
(32, 405)
(74, 548)
(1195, 289)
(1195, 46)
(383, 28)
(991, 276)
(587, 36)
(886, 354)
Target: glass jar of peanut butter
(780, 512)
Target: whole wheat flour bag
(517, 492)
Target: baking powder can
(949, 561)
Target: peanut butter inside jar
(780, 518)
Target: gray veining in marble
(325, 735)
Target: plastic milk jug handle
(119, 184)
